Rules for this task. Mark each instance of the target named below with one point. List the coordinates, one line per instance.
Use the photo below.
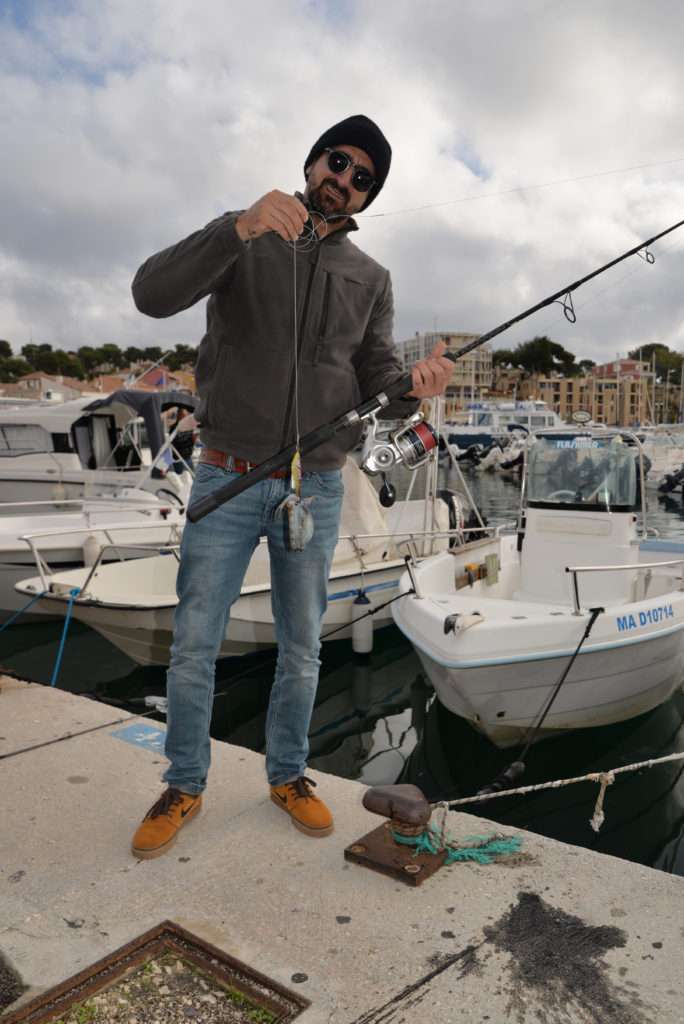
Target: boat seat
(555, 540)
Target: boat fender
(456, 523)
(460, 621)
(362, 625)
(91, 550)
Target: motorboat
(663, 448)
(496, 623)
(69, 534)
(91, 448)
(486, 422)
(132, 603)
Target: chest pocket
(345, 310)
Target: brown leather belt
(215, 457)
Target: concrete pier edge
(242, 878)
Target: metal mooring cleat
(408, 814)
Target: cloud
(128, 126)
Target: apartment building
(615, 393)
(473, 373)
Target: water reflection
(644, 809)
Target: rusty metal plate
(377, 850)
(280, 1004)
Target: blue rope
(73, 594)
(484, 852)
(13, 618)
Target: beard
(326, 204)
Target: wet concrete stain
(77, 780)
(557, 965)
(11, 985)
(555, 972)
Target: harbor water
(377, 720)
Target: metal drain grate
(276, 1003)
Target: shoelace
(165, 803)
(301, 788)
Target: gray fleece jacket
(245, 366)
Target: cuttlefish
(299, 520)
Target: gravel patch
(166, 990)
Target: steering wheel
(561, 494)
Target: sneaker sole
(159, 851)
(315, 833)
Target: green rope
(483, 849)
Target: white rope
(604, 779)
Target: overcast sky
(128, 124)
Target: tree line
(545, 357)
(86, 362)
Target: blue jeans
(215, 554)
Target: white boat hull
(502, 701)
(145, 634)
(48, 484)
(500, 666)
(132, 605)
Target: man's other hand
(276, 211)
(432, 374)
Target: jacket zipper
(324, 321)
(300, 342)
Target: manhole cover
(166, 975)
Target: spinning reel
(410, 446)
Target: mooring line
(604, 779)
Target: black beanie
(359, 131)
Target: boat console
(580, 499)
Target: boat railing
(44, 569)
(401, 538)
(100, 501)
(575, 569)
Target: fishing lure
(299, 520)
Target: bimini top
(582, 469)
(124, 405)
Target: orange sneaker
(309, 814)
(163, 821)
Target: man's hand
(276, 211)
(431, 375)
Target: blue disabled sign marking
(148, 736)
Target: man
(264, 380)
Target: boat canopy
(129, 404)
(581, 469)
(33, 428)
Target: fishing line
(306, 242)
(521, 188)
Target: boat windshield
(582, 471)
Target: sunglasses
(338, 162)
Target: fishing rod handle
(201, 508)
(281, 460)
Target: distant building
(616, 393)
(472, 377)
(45, 387)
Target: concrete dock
(558, 934)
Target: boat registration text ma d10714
(647, 617)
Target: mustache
(339, 188)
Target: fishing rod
(399, 388)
